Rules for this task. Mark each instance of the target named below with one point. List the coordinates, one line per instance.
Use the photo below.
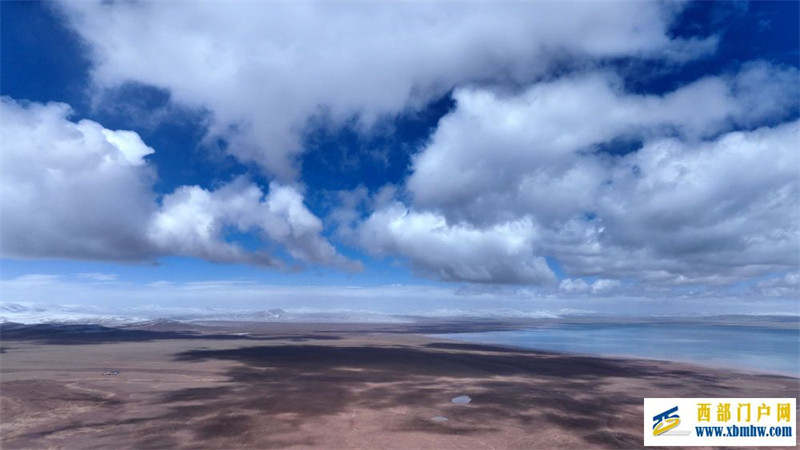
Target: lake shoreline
(624, 356)
(745, 347)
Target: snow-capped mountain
(38, 314)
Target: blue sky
(545, 157)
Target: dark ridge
(80, 334)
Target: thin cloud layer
(264, 70)
(193, 299)
(81, 191)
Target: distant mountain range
(70, 314)
(41, 314)
(31, 314)
(37, 314)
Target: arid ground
(329, 386)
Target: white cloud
(263, 69)
(694, 205)
(725, 208)
(193, 221)
(98, 276)
(574, 286)
(497, 154)
(498, 254)
(605, 285)
(74, 190)
(786, 286)
(78, 190)
(579, 286)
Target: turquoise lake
(757, 348)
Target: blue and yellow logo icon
(666, 421)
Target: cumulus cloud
(574, 286)
(580, 286)
(697, 203)
(498, 254)
(73, 190)
(727, 207)
(264, 70)
(499, 154)
(78, 190)
(786, 286)
(192, 222)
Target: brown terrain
(330, 386)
